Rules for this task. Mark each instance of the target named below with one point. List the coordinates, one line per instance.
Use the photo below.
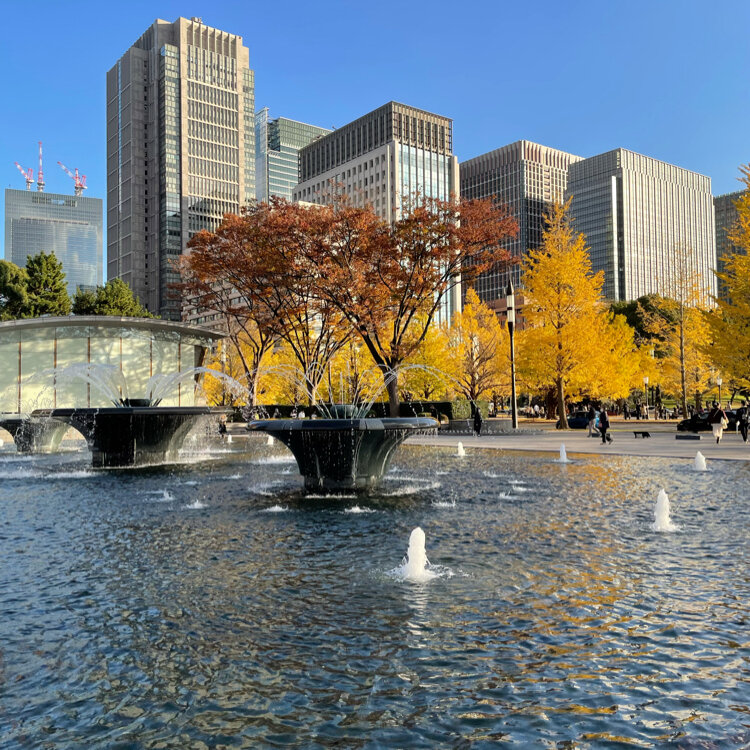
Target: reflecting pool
(211, 605)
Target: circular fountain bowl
(135, 402)
(342, 454)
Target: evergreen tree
(14, 297)
(114, 298)
(48, 294)
(84, 302)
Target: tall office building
(180, 150)
(726, 216)
(70, 226)
(277, 146)
(385, 159)
(637, 213)
(528, 178)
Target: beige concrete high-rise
(642, 218)
(180, 150)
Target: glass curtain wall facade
(637, 214)
(527, 178)
(68, 226)
(726, 217)
(139, 348)
(277, 146)
(180, 150)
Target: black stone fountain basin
(342, 454)
(131, 436)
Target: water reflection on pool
(213, 603)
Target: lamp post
(719, 381)
(510, 301)
(645, 391)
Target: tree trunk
(393, 400)
(561, 404)
(253, 385)
(683, 385)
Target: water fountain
(662, 521)
(563, 455)
(460, 450)
(342, 454)
(133, 431)
(700, 462)
(415, 565)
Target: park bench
(642, 433)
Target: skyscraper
(726, 216)
(637, 213)
(385, 159)
(180, 150)
(70, 226)
(528, 178)
(277, 146)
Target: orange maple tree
(315, 275)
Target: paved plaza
(541, 436)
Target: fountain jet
(662, 521)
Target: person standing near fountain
(477, 421)
(743, 420)
(604, 426)
(718, 421)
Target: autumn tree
(389, 282)
(428, 372)
(211, 272)
(572, 338)
(729, 324)
(479, 350)
(253, 271)
(679, 329)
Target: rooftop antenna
(40, 174)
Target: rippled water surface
(211, 605)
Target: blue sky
(668, 79)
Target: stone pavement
(662, 442)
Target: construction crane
(79, 181)
(28, 174)
(40, 174)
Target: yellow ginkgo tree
(571, 342)
(478, 350)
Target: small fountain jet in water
(460, 452)
(662, 521)
(700, 462)
(563, 455)
(414, 567)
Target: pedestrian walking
(743, 420)
(626, 412)
(477, 421)
(591, 416)
(604, 426)
(718, 421)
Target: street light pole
(719, 381)
(645, 392)
(511, 318)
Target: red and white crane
(40, 174)
(79, 181)
(28, 174)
